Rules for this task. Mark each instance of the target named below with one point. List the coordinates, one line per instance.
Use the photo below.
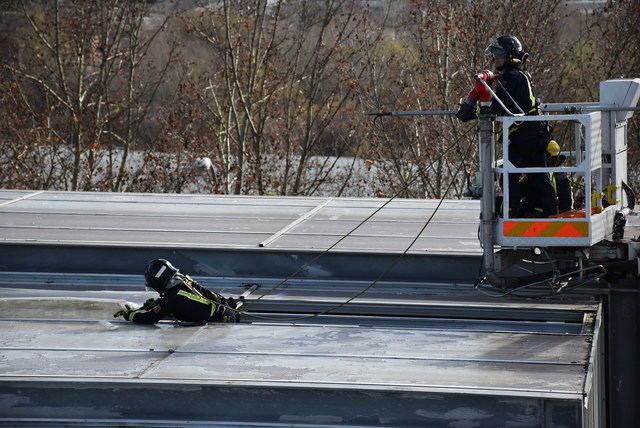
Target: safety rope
(555, 284)
(387, 202)
(393, 263)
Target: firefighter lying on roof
(181, 298)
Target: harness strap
(196, 296)
(535, 107)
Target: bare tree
(94, 94)
(288, 70)
(77, 79)
(439, 47)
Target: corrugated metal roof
(422, 348)
(200, 221)
(55, 343)
(534, 364)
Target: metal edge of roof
(405, 302)
(249, 248)
(242, 383)
(227, 196)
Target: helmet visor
(494, 49)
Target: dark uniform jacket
(187, 301)
(515, 85)
(527, 146)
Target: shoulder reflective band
(198, 299)
(546, 229)
(532, 97)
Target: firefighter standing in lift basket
(527, 140)
(181, 298)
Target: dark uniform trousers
(539, 192)
(562, 185)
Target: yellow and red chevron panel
(546, 229)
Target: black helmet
(508, 46)
(158, 274)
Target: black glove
(127, 314)
(150, 304)
(467, 110)
(124, 313)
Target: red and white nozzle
(480, 91)
(486, 75)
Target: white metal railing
(586, 154)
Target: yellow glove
(553, 148)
